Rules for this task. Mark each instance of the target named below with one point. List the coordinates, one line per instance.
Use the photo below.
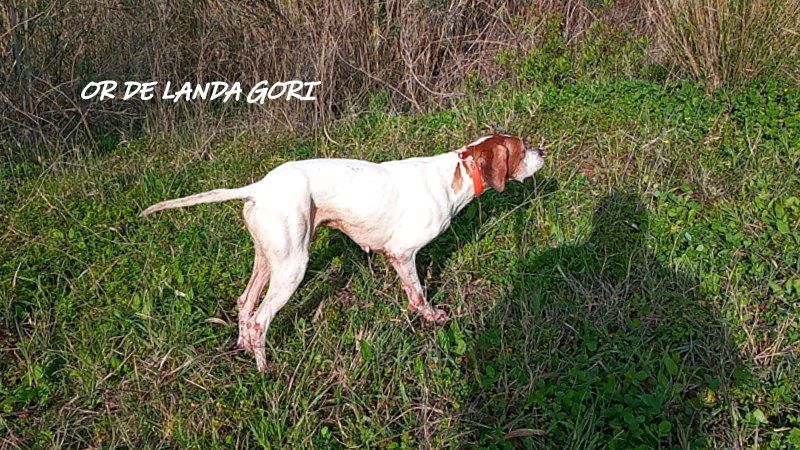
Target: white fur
(395, 207)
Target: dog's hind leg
(283, 283)
(286, 247)
(259, 278)
(247, 301)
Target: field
(641, 292)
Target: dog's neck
(474, 173)
(463, 185)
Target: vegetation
(417, 53)
(730, 42)
(641, 292)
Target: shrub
(729, 42)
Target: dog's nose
(539, 151)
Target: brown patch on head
(516, 153)
(498, 158)
(458, 180)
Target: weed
(640, 292)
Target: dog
(395, 207)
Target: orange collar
(474, 173)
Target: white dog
(395, 207)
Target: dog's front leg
(405, 265)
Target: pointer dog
(396, 207)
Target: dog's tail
(217, 195)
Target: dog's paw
(441, 317)
(261, 359)
(241, 344)
(436, 316)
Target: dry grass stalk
(417, 52)
(729, 42)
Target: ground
(641, 291)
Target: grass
(640, 292)
(729, 42)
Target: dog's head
(501, 158)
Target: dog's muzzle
(538, 151)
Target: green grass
(641, 291)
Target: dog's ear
(516, 153)
(493, 163)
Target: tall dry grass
(729, 42)
(416, 51)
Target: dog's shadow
(599, 342)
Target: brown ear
(494, 166)
(516, 153)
